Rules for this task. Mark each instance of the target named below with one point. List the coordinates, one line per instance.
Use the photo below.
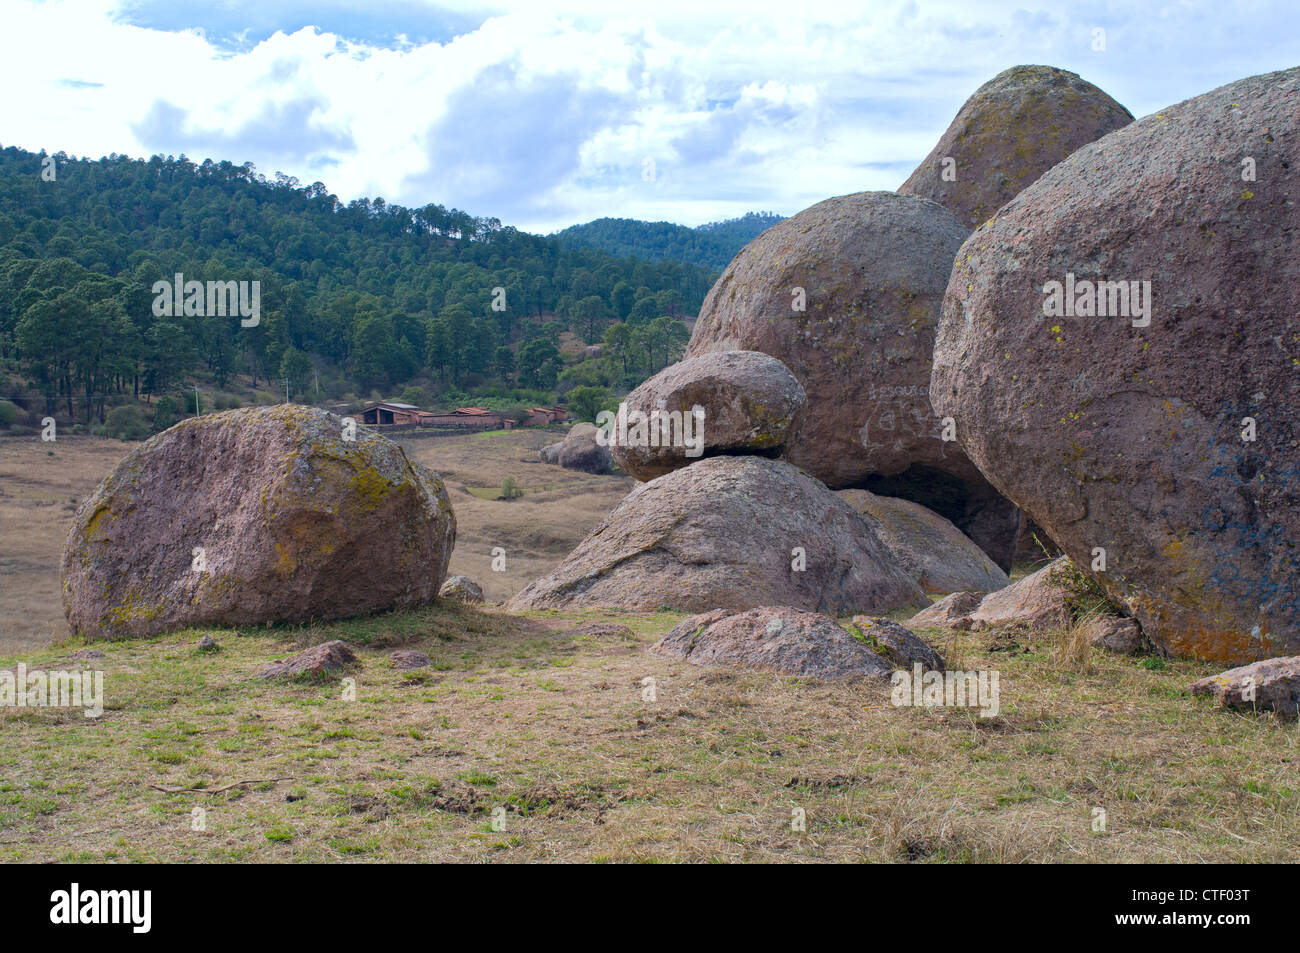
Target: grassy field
(40, 487)
(559, 507)
(529, 740)
(532, 739)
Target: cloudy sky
(550, 112)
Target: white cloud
(546, 115)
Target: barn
(386, 414)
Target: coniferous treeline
(712, 246)
(376, 294)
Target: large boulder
(251, 516)
(872, 269)
(729, 533)
(747, 401)
(940, 557)
(579, 450)
(1013, 129)
(1130, 431)
(772, 639)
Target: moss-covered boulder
(252, 516)
(462, 589)
(1013, 129)
(724, 402)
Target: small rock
(772, 639)
(326, 658)
(1271, 685)
(1116, 634)
(406, 659)
(1036, 600)
(953, 611)
(602, 630)
(208, 644)
(462, 589)
(900, 646)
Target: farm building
(470, 418)
(543, 416)
(389, 414)
(383, 413)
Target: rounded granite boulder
(1120, 350)
(251, 516)
(1013, 129)
(742, 402)
(729, 533)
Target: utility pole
(286, 390)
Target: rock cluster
(328, 658)
(846, 294)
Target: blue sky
(548, 113)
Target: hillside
(356, 298)
(712, 245)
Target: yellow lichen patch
(96, 530)
(130, 610)
(370, 486)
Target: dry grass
(552, 729)
(558, 509)
(40, 487)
